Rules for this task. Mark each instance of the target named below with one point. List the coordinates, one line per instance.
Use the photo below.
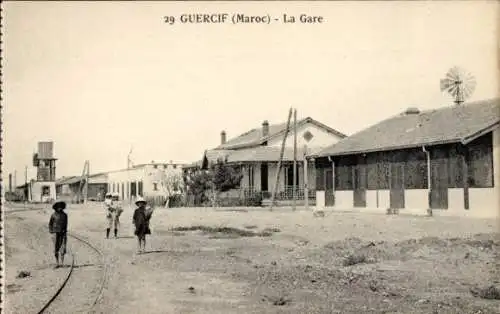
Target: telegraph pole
(294, 186)
(281, 159)
(27, 188)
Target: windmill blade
(469, 85)
(453, 74)
(446, 84)
(453, 90)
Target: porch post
(333, 181)
(465, 177)
(306, 188)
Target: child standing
(141, 221)
(115, 212)
(58, 227)
(108, 206)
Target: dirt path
(302, 266)
(29, 250)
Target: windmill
(459, 83)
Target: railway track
(72, 288)
(71, 292)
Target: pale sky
(97, 78)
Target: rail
(72, 266)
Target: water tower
(43, 189)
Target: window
(320, 178)
(155, 166)
(343, 174)
(455, 167)
(480, 162)
(155, 186)
(174, 166)
(140, 189)
(133, 189)
(289, 176)
(383, 170)
(372, 163)
(415, 170)
(46, 190)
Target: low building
(153, 181)
(257, 153)
(71, 188)
(445, 160)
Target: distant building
(151, 181)
(445, 159)
(71, 188)
(257, 153)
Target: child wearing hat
(114, 210)
(141, 222)
(58, 227)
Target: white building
(151, 181)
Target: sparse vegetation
(489, 293)
(23, 274)
(354, 259)
(225, 230)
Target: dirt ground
(205, 261)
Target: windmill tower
(44, 187)
(459, 84)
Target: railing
(285, 193)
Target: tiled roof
(264, 153)
(65, 180)
(254, 137)
(446, 125)
(76, 179)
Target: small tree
(220, 177)
(224, 178)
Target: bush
(354, 259)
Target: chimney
(265, 128)
(411, 110)
(223, 137)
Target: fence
(247, 198)
(161, 201)
(286, 194)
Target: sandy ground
(297, 265)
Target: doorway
(264, 177)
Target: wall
(36, 191)
(126, 176)
(483, 202)
(148, 174)
(321, 138)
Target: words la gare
(303, 18)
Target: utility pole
(294, 191)
(281, 158)
(27, 188)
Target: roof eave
(466, 140)
(384, 149)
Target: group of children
(58, 223)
